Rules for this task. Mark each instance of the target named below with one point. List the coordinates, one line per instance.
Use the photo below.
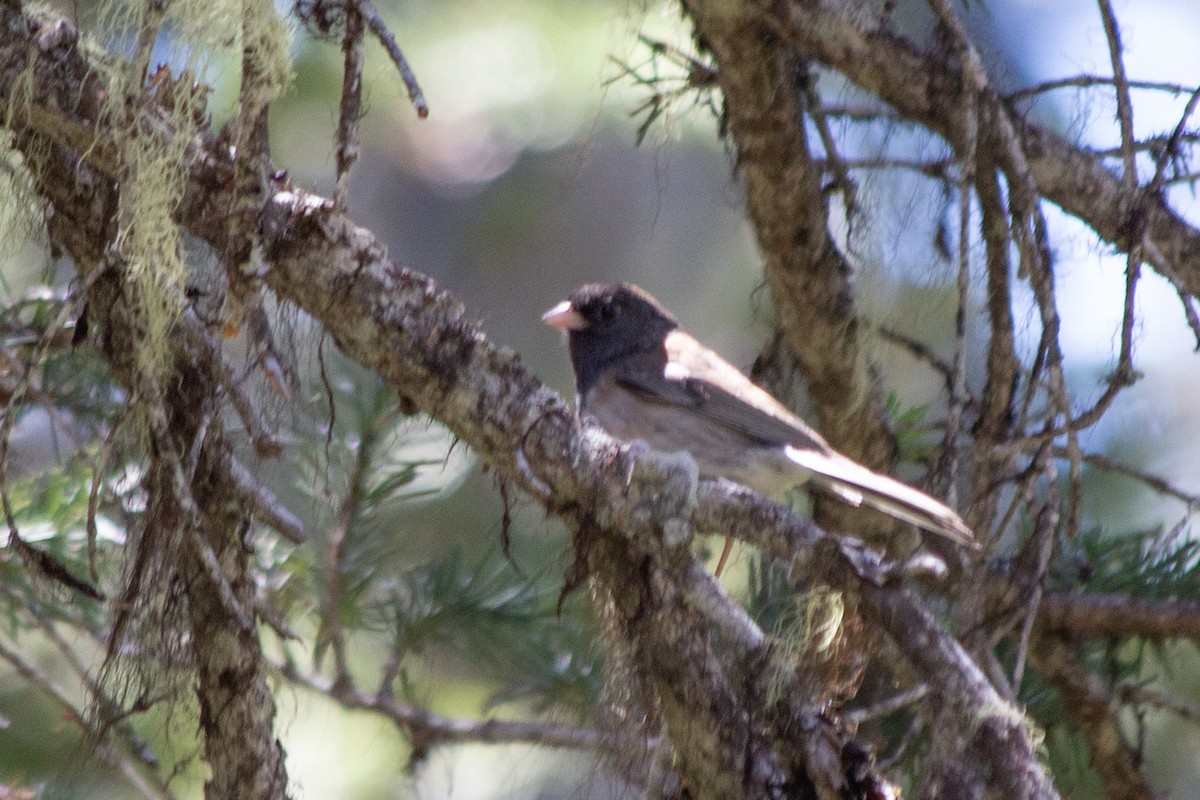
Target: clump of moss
(198, 34)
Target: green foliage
(1070, 761)
(50, 509)
(55, 500)
(770, 597)
(1143, 564)
(912, 439)
(362, 471)
(504, 626)
(498, 625)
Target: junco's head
(643, 378)
(607, 322)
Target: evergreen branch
(129, 765)
(1089, 702)
(426, 729)
(629, 533)
(349, 512)
(1103, 615)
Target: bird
(642, 377)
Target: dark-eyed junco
(642, 377)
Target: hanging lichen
(196, 35)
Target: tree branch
(1103, 615)
(925, 88)
(633, 516)
(764, 84)
(1089, 701)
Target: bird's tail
(856, 485)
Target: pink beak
(564, 317)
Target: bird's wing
(696, 379)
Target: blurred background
(538, 169)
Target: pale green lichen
(148, 164)
(1009, 716)
(810, 632)
(269, 38)
(21, 227)
(153, 168)
(21, 219)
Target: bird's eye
(608, 311)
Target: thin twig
(204, 346)
(1033, 562)
(1171, 148)
(114, 756)
(937, 169)
(1186, 298)
(1087, 81)
(98, 474)
(1123, 374)
(887, 706)
(995, 409)
(1168, 702)
(948, 462)
(1112, 33)
(380, 29)
(331, 632)
(433, 729)
(350, 110)
(833, 161)
(1023, 485)
(1155, 482)
(1151, 144)
(920, 350)
(699, 73)
(265, 507)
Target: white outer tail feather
(856, 485)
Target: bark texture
(740, 717)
